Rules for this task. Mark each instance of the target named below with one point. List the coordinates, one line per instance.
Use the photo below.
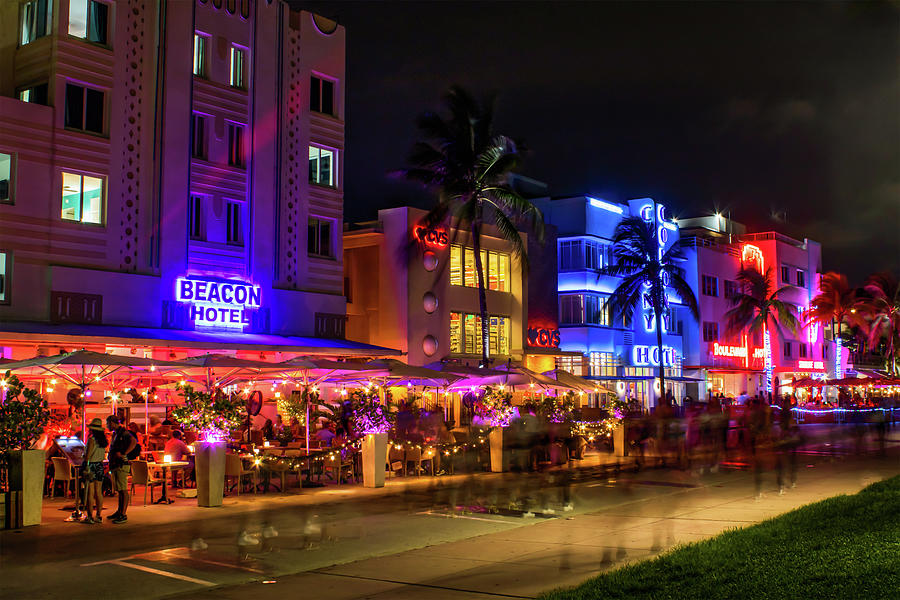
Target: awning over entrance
(79, 335)
(639, 378)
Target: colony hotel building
(171, 178)
(624, 358)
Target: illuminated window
(321, 95)
(198, 136)
(84, 108)
(5, 276)
(234, 232)
(88, 20)
(200, 42)
(495, 265)
(82, 198)
(572, 364)
(196, 221)
(583, 309)
(37, 20)
(7, 171)
(456, 265)
(710, 286)
(710, 331)
(578, 255)
(236, 156)
(319, 237)
(35, 94)
(238, 60)
(603, 364)
(321, 166)
(465, 334)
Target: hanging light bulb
(53, 382)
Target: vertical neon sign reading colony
(752, 254)
(658, 217)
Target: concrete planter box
(26, 475)
(498, 464)
(374, 453)
(209, 463)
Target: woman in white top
(93, 470)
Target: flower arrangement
(368, 415)
(554, 409)
(215, 416)
(23, 415)
(495, 407)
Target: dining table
(164, 467)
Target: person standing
(123, 443)
(93, 471)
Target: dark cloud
(760, 109)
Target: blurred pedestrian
(93, 471)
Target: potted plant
(372, 421)
(214, 417)
(23, 417)
(495, 408)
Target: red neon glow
(811, 365)
(437, 238)
(752, 254)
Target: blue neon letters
(218, 303)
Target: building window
(82, 198)
(88, 20)
(603, 364)
(84, 108)
(824, 352)
(198, 136)
(787, 349)
(200, 55)
(577, 255)
(785, 274)
(731, 289)
(7, 171)
(196, 220)
(710, 331)
(234, 233)
(235, 145)
(496, 267)
(802, 350)
(5, 276)
(319, 238)
(710, 286)
(36, 94)
(465, 334)
(571, 364)
(321, 95)
(583, 309)
(37, 20)
(801, 278)
(238, 60)
(321, 166)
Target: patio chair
(62, 473)
(234, 468)
(395, 460)
(140, 475)
(418, 458)
(337, 465)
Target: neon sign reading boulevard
(218, 303)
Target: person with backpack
(122, 449)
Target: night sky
(785, 114)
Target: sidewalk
(656, 511)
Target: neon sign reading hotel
(219, 304)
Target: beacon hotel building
(171, 178)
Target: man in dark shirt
(122, 443)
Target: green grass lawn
(843, 547)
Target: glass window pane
(315, 94)
(97, 20)
(71, 197)
(199, 47)
(93, 118)
(470, 267)
(74, 106)
(493, 272)
(92, 195)
(504, 273)
(324, 238)
(5, 177)
(313, 164)
(328, 97)
(312, 237)
(469, 333)
(78, 10)
(456, 265)
(456, 332)
(4, 276)
(325, 170)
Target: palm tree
(835, 305)
(757, 308)
(882, 310)
(468, 165)
(644, 275)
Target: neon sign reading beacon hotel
(220, 304)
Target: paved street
(405, 542)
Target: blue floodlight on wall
(606, 206)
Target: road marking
(436, 514)
(414, 584)
(122, 563)
(205, 560)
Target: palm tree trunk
(659, 345)
(482, 297)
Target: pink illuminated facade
(738, 364)
(144, 144)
